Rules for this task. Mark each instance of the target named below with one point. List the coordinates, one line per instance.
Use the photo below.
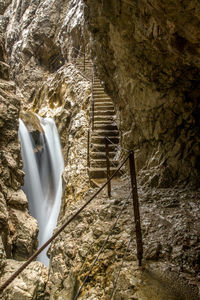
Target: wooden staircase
(104, 126)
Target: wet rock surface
(171, 244)
(40, 37)
(171, 226)
(147, 54)
(18, 230)
(65, 95)
(30, 284)
(14, 205)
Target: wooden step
(101, 107)
(106, 122)
(104, 112)
(95, 139)
(101, 155)
(103, 126)
(102, 163)
(101, 172)
(104, 118)
(105, 133)
(105, 103)
(102, 147)
(101, 95)
(99, 98)
(97, 89)
(97, 85)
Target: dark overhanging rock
(147, 55)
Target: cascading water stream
(43, 168)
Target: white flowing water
(42, 182)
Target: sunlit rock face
(147, 53)
(65, 96)
(18, 230)
(40, 36)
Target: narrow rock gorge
(128, 70)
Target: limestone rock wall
(39, 37)
(18, 230)
(65, 95)
(30, 284)
(147, 53)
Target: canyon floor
(170, 224)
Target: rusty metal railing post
(108, 167)
(93, 102)
(88, 149)
(84, 60)
(84, 49)
(136, 208)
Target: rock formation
(63, 95)
(18, 230)
(146, 54)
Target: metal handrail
(9, 280)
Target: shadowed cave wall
(147, 53)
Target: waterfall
(43, 167)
